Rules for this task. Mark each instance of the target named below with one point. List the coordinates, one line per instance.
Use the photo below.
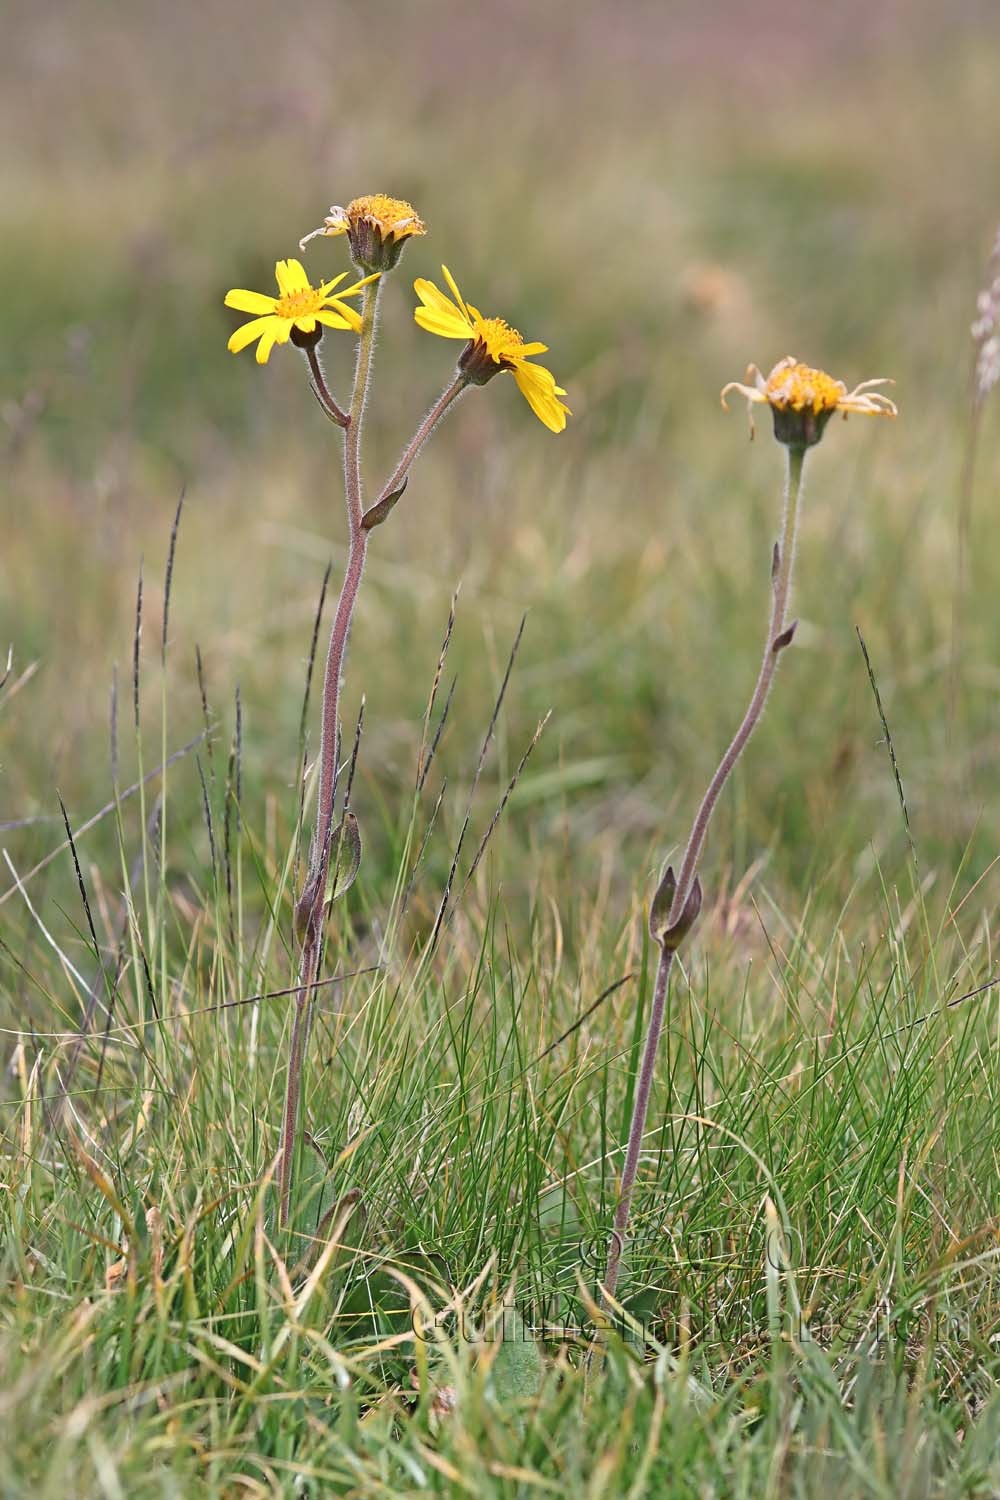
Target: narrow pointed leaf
(671, 937)
(659, 911)
(785, 638)
(345, 858)
(377, 513)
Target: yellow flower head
(491, 346)
(802, 400)
(377, 228)
(296, 314)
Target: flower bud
(377, 228)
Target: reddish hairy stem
(780, 591)
(781, 588)
(311, 905)
(322, 391)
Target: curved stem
(781, 583)
(780, 591)
(311, 905)
(423, 432)
(321, 390)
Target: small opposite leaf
(303, 910)
(380, 510)
(659, 911)
(692, 909)
(670, 938)
(345, 858)
(785, 638)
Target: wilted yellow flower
(492, 346)
(803, 400)
(299, 307)
(377, 228)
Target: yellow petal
(251, 302)
(537, 376)
(439, 314)
(527, 349)
(268, 339)
(328, 286)
(339, 315)
(296, 272)
(445, 325)
(540, 396)
(351, 291)
(453, 288)
(305, 325)
(291, 276)
(250, 331)
(333, 320)
(432, 297)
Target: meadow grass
(810, 1295)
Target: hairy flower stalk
(681, 914)
(377, 229)
(802, 401)
(321, 390)
(311, 906)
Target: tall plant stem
(311, 905)
(777, 639)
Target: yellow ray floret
(298, 305)
(798, 393)
(493, 346)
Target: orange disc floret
(393, 216)
(802, 400)
(801, 387)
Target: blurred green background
(661, 192)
